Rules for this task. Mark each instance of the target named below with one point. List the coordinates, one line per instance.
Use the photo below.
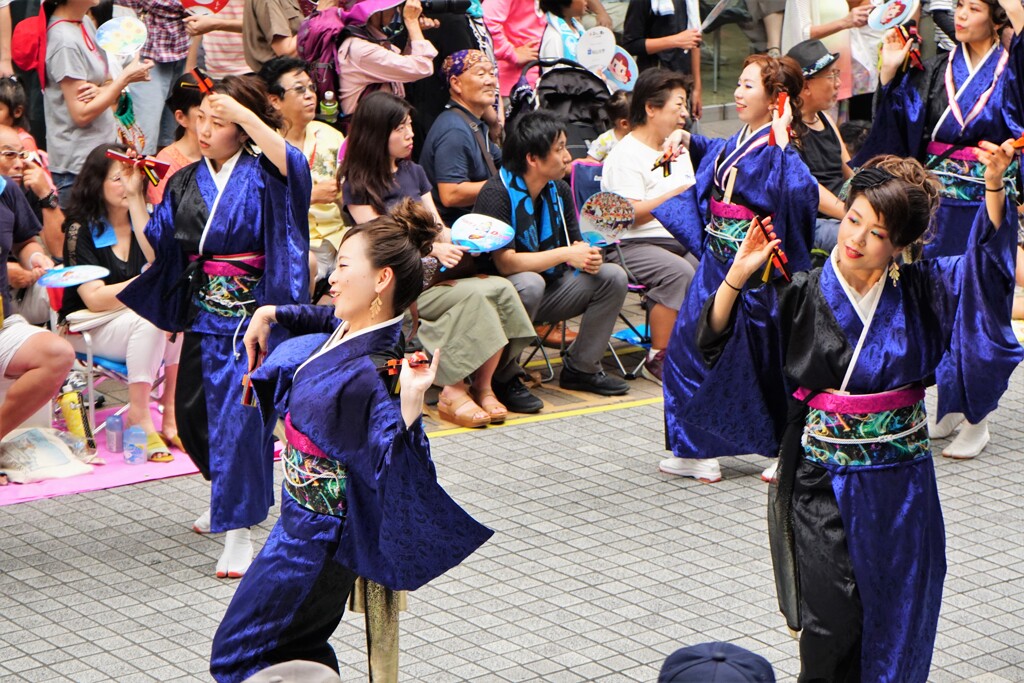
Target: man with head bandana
(458, 155)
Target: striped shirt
(225, 52)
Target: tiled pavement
(599, 568)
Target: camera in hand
(445, 6)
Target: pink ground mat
(115, 473)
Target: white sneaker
(202, 525)
(237, 555)
(769, 473)
(707, 470)
(945, 426)
(971, 441)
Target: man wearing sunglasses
(821, 147)
(24, 169)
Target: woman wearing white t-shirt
(632, 170)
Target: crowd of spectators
(423, 102)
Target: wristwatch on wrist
(50, 201)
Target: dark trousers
(830, 606)
(289, 602)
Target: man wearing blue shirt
(458, 155)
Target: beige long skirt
(470, 320)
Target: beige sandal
(462, 411)
(489, 402)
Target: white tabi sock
(971, 441)
(202, 525)
(945, 426)
(237, 555)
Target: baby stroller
(576, 94)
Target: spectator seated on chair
(33, 362)
(106, 219)
(556, 273)
(458, 155)
(821, 146)
(293, 95)
(25, 169)
(652, 256)
(617, 108)
(479, 321)
(367, 61)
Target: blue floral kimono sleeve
(286, 232)
(971, 297)
(899, 119)
(306, 319)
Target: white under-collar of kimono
(864, 304)
(340, 336)
(220, 178)
(971, 68)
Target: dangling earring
(894, 272)
(375, 307)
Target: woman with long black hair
(104, 223)
(481, 320)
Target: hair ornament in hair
(867, 178)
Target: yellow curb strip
(529, 419)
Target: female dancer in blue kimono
(361, 498)
(755, 172)
(855, 525)
(231, 234)
(937, 116)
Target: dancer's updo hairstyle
(903, 192)
(399, 241)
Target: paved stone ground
(600, 567)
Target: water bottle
(135, 445)
(72, 409)
(329, 108)
(115, 434)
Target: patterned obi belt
(728, 226)
(313, 480)
(866, 429)
(228, 281)
(961, 173)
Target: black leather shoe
(516, 396)
(596, 382)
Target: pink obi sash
(734, 211)
(300, 441)
(860, 404)
(224, 265)
(959, 153)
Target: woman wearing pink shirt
(516, 27)
(366, 57)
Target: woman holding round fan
(479, 320)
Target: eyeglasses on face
(300, 89)
(10, 154)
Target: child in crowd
(563, 29)
(14, 109)
(617, 108)
(184, 102)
